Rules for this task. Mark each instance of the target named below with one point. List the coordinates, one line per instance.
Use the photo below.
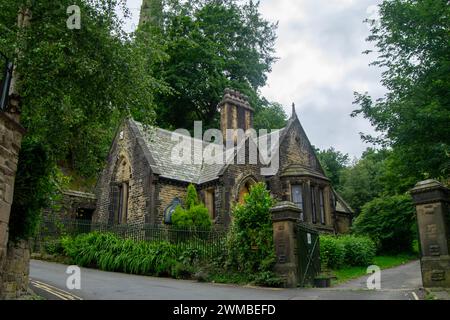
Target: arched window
(120, 190)
(244, 188)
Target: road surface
(49, 280)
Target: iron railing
(209, 243)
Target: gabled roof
(160, 144)
(341, 205)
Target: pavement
(49, 280)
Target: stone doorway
(244, 189)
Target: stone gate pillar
(285, 216)
(11, 133)
(432, 202)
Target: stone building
(141, 182)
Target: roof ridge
(168, 132)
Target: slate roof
(160, 144)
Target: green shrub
(53, 247)
(389, 221)
(349, 250)
(191, 197)
(359, 251)
(182, 219)
(267, 279)
(37, 183)
(332, 252)
(194, 215)
(250, 247)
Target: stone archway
(244, 188)
(120, 189)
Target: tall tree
(211, 45)
(361, 182)
(412, 39)
(333, 162)
(76, 84)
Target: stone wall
(16, 270)
(71, 203)
(128, 148)
(166, 192)
(10, 140)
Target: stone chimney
(235, 112)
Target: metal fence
(208, 242)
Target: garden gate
(308, 252)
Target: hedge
(348, 250)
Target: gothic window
(119, 203)
(120, 190)
(313, 204)
(210, 202)
(322, 207)
(244, 189)
(297, 198)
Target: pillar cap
(430, 191)
(285, 210)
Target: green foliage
(34, 189)
(270, 116)
(194, 215)
(108, 252)
(348, 250)
(63, 71)
(361, 182)
(359, 250)
(390, 221)
(191, 197)
(210, 45)
(75, 87)
(333, 162)
(332, 252)
(182, 219)
(250, 241)
(411, 38)
(54, 247)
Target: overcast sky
(319, 45)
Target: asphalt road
(49, 280)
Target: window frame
(301, 204)
(322, 205)
(313, 205)
(211, 192)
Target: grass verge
(384, 262)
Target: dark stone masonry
(432, 202)
(140, 181)
(11, 133)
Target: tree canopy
(333, 162)
(412, 39)
(212, 45)
(76, 84)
